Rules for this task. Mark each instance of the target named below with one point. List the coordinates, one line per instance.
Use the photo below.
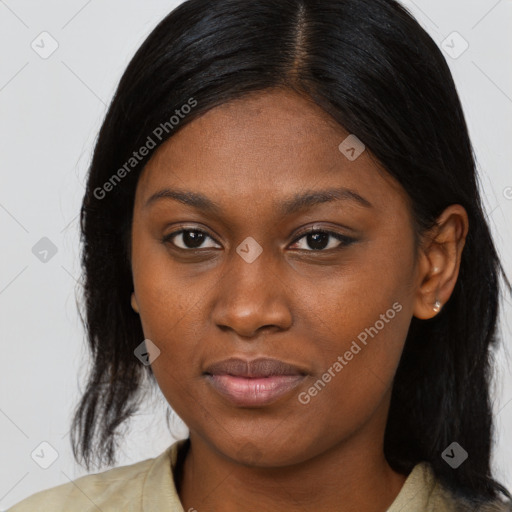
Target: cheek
(363, 350)
(166, 309)
(365, 317)
(163, 300)
(169, 319)
(356, 369)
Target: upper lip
(261, 367)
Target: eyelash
(345, 240)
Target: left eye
(319, 240)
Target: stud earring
(437, 306)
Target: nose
(252, 297)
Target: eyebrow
(296, 203)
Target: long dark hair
(370, 65)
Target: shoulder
(455, 503)
(423, 492)
(118, 488)
(464, 505)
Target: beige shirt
(148, 486)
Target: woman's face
(246, 280)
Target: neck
(352, 476)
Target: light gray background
(51, 110)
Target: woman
(282, 229)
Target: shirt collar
(159, 491)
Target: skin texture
(294, 302)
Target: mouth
(253, 383)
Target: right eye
(190, 239)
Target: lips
(253, 383)
(256, 368)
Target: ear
(439, 261)
(135, 306)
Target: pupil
(192, 239)
(318, 240)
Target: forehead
(263, 147)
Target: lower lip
(254, 392)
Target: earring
(437, 306)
